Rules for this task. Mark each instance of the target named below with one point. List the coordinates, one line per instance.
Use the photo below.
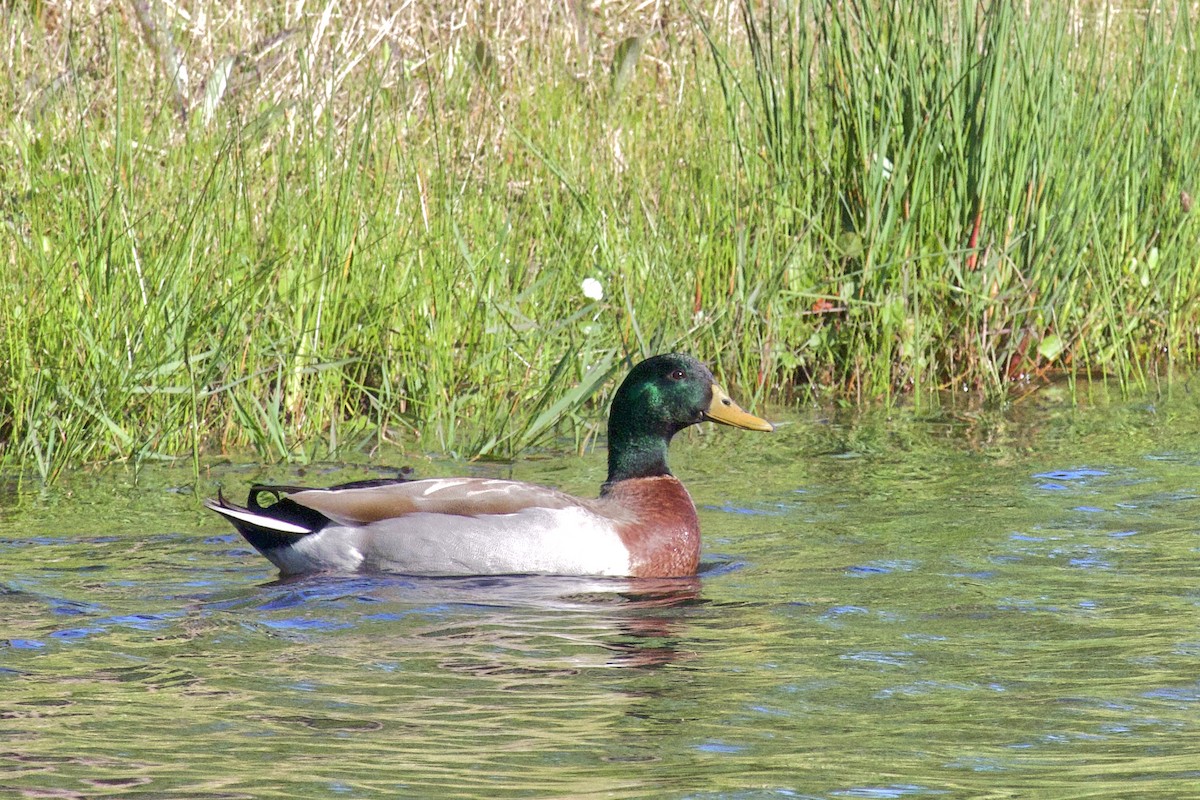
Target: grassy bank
(355, 224)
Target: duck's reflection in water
(515, 624)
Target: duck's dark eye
(677, 375)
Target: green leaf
(483, 60)
(624, 61)
(1051, 346)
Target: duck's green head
(660, 397)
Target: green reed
(989, 195)
(334, 239)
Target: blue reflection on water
(730, 508)
(880, 568)
(1072, 474)
(1177, 694)
(75, 633)
(23, 644)
(304, 624)
(717, 746)
(883, 792)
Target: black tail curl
(280, 507)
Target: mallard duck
(642, 525)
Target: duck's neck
(633, 455)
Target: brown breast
(662, 533)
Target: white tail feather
(261, 520)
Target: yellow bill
(722, 409)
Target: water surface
(975, 604)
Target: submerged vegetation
(313, 229)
